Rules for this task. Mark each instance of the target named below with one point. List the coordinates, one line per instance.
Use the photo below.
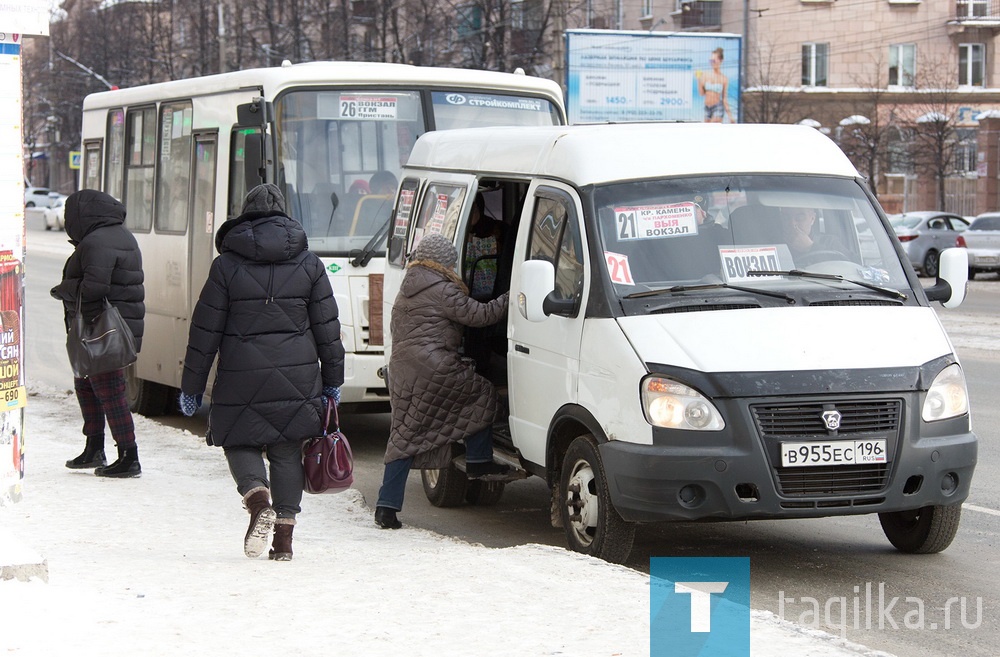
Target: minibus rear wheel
(146, 397)
(592, 524)
(445, 487)
(922, 531)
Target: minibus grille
(879, 416)
(793, 422)
(838, 480)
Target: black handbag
(99, 346)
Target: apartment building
(888, 79)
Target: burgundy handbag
(327, 460)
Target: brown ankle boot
(281, 548)
(258, 503)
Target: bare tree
(935, 132)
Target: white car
(55, 215)
(41, 197)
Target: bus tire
(922, 531)
(484, 493)
(592, 524)
(146, 397)
(445, 487)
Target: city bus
(181, 156)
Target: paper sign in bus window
(440, 210)
(379, 108)
(403, 214)
(737, 262)
(618, 268)
(643, 222)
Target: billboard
(623, 76)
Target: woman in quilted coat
(267, 310)
(437, 399)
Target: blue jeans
(478, 449)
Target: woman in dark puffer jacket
(268, 310)
(106, 264)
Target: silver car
(925, 234)
(982, 241)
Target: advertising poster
(624, 76)
(12, 390)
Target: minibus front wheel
(922, 531)
(592, 524)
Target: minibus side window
(555, 237)
(92, 164)
(173, 178)
(115, 171)
(401, 221)
(439, 211)
(140, 159)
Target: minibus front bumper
(649, 483)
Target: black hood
(88, 210)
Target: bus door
(203, 214)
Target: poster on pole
(623, 76)
(12, 238)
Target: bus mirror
(538, 279)
(256, 113)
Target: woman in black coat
(269, 313)
(105, 264)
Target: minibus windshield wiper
(798, 273)
(361, 258)
(708, 286)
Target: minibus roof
(353, 74)
(588, 154)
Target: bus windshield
(340, 151)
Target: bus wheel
(145, 397)
(484, 493)
(922, 531)
(592, 524)
(445, 487)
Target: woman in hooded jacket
(437, 398)
(105, 264)
(268, 311)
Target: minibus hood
(783, 339)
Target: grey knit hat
(264, 198)
(437, 248)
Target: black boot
(386, 518)
(92, 457)
(127, 464)
(488, 469)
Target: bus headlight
(947, 397)
(674, 405)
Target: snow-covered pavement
(154, 566)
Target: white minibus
(181, 155)
(704, 325)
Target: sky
(154, 566)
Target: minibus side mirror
(538, 281)
(952, 280)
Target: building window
(902, 64)
(647, 8)
(814, 58)
(971, 64)
(973, 8)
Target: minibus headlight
(674, 405)
(947, 397)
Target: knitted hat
(264, 198)
(436, 248)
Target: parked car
(925, 234)
(982, 241)
(41, 197)
(55, 216)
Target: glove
(189, 403)
(333, 393)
